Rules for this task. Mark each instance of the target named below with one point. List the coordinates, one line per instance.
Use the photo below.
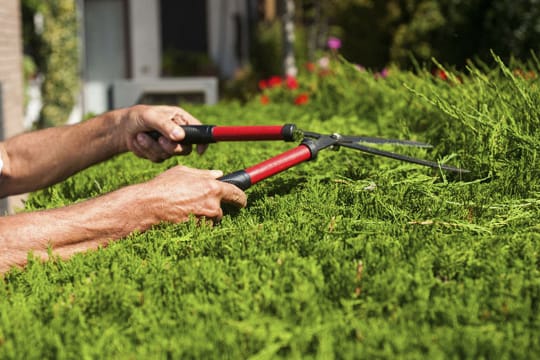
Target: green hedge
(349, 256)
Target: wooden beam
(270, 10)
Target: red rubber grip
(279, 163)
(247, 133)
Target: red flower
(274, 81)
(265, 100)
(263, 84)
(301, 99)
(441, 74)
(529, 75)
(291, 82)
(310, 67)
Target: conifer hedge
(349, 256)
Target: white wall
(105, 51)
(145, 45)
(145, 38)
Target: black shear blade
(371, 140)
(380, 141)
(403, 157)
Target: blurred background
(83, 57)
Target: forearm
(74, 228)
(173, 196)
(38, 159)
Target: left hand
(140, 119)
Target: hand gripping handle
(195, 134)
(206, 134)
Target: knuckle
(215, 211)
(214, 187)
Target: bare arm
(172, 197)
(38, 159)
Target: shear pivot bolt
(336, 137)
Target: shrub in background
(266, 49)
(186, 63)
(55, 50)
(61, 64)
(376, 33)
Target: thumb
(216, 173)
(171, 131)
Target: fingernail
(216, 173)
(141, 139)
(177, 134)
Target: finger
(214, 174)
(149, 148)
(187, 118)
(217, 218)
(167, 122)
(181, 117)
(233, 195)
(174, 148)
(186, 150)
(201, 148)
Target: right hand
(181, 191)
(139, 119)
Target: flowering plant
(323, 84)
(278, 90)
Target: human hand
(181, 191)
(139, 119)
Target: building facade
(143, 41)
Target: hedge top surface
(349, 256)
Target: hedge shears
(310, 145)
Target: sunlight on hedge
(348, 256)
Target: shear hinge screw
(337, 137)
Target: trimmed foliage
(349, 256)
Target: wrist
(107, 132)
(119, 123)
(123, 211)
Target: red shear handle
(252, 175)
(206, 134)
(247, 133)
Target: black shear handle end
(238, 178)
(195, 134)
(252, 175)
